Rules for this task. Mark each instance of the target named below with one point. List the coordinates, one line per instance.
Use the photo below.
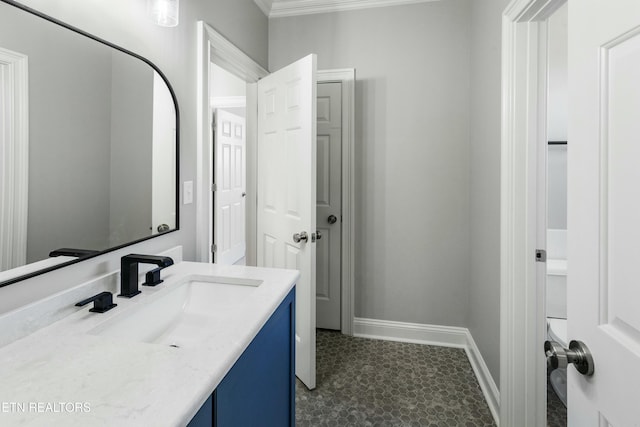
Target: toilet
(556, 305)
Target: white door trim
(522, 299)
(14, 165)
(213, 47)
(347, 78)
(228, 101)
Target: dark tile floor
(364, 382)
(556, 411)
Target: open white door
(287, 193)
(604, 210)
(230, 189)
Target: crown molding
(281, 8)
(265, 6)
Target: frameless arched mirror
(89, 146)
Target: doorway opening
(524, 212)
(335, 204)
(556, 209)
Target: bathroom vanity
(209, 343)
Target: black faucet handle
(101, 302)
(152, 278)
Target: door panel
(603, 210)
(329, 202)
(229, 197)
(287, 192)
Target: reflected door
(229, 194)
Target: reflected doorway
(228, 102)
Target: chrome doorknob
(244, 194)
(298, 237)
(332, 219)
(318, 235)
(577, 354)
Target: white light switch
(187, 192)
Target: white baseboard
(446, 336)
(487, 384)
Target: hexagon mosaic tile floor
(556, 411)
(365, 382)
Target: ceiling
(278, 8)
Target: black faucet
(129, 272)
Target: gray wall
(484, 291)
(68, 165)
(557, 120)
(557, 187)
(125, 23)
(558, 96)
(412, 150)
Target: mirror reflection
(99, 144)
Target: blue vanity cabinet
(259, 390)
(204, 417)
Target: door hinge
(214, 187)
(214, 248)
(541, 255)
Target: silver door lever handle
(577, 354)
(298, 237)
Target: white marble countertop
(64, 375)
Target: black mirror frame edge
(177, 178)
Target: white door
(329, 205)
(604, 210)
(229, 195)
(287, 192)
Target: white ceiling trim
(279, 8)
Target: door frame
(213, 47)
(523, 211)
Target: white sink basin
(180, 316)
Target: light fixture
(164, 12)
